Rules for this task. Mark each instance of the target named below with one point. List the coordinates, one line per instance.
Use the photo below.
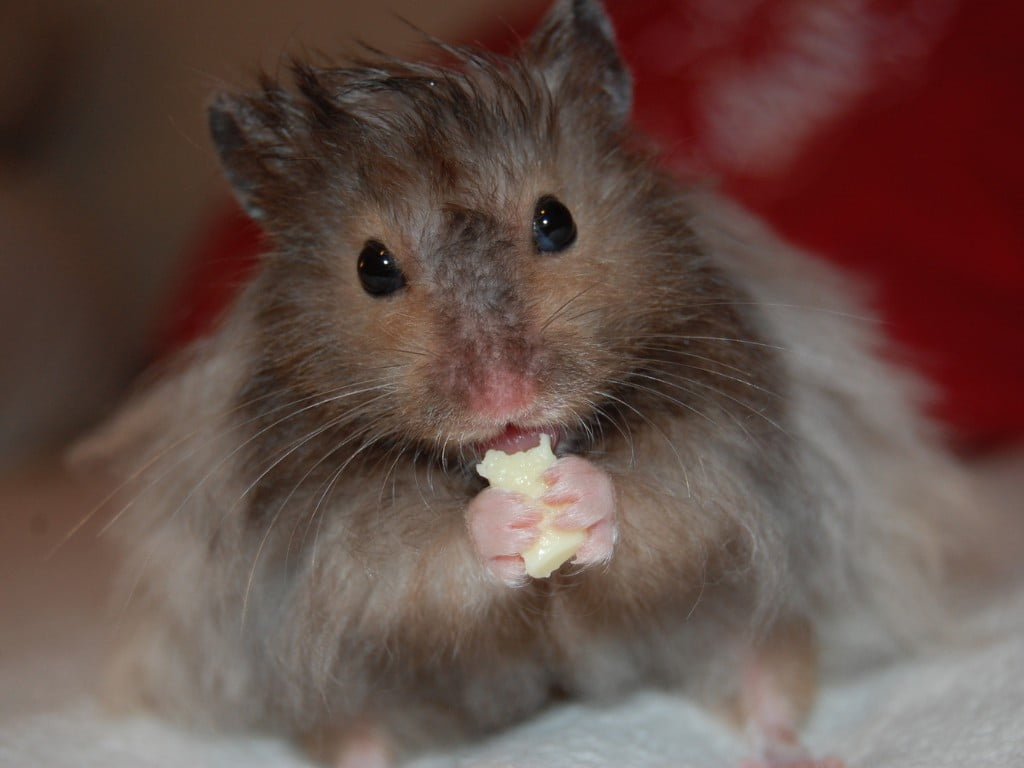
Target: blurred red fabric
(886, 135)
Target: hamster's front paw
(503, 524)
(506, 524)
(584, 499)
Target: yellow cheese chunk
(553, 548)
(521, 472)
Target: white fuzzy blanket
(953, 707)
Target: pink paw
(362, 745)
(364, 751)
(782, 748)
(585, 499)
(825, 762)
(503, 523)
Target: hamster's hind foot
(827, 762)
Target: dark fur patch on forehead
(453, 116)
(385, 128)
(483, 92)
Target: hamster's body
(309, 548)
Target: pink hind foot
(364, 747)
(826, 762)
(780, 744)
(777, 690)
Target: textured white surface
(959, 706)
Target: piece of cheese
(521, 472)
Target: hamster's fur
(297, 552)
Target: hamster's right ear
(255, 138)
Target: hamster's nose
(501, 394)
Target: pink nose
(501, 395)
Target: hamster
(467, 256)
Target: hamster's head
(464, 255)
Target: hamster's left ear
(575, 48)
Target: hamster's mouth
(515, 439)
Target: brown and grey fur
(298, 554)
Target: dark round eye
(553, 227)
(378, 270)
